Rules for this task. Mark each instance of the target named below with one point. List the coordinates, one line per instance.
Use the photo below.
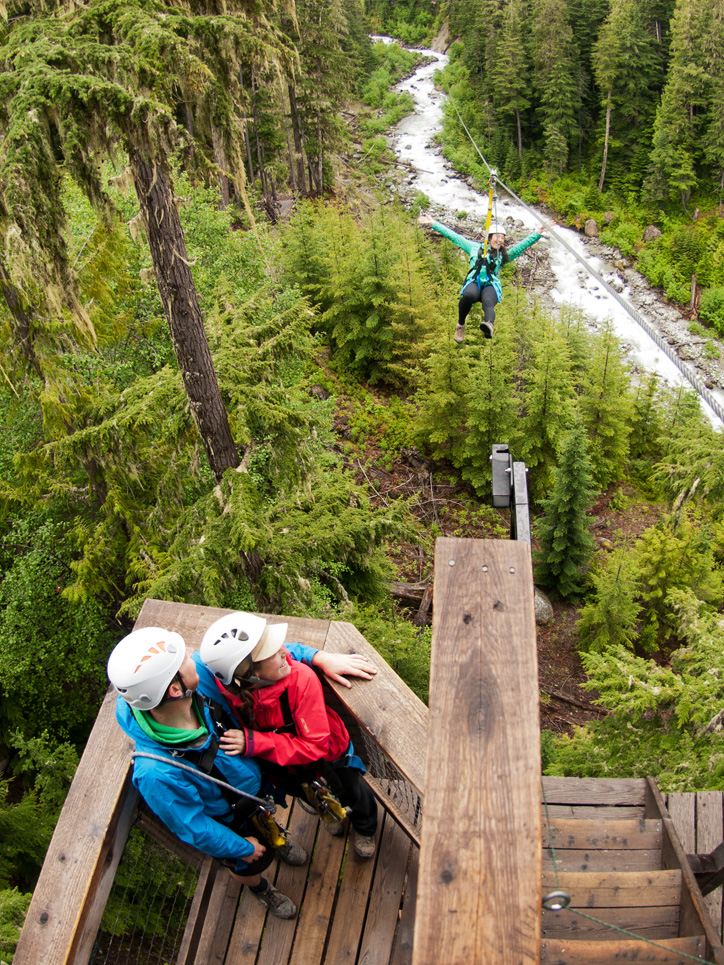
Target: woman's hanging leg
(470, 295)
(489, 298)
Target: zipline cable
(691, 377)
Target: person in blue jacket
(482, 282)
(170, 724)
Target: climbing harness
(492, 199)
(317, 791)
(694, 381)
(322, 801)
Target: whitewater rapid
(413, 142)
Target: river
(430, 173)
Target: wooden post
(479, 892)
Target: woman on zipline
(482, 283)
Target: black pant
(473, 293)
(346, 783)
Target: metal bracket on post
(510, 490)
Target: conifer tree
(676, 553)
(606, 408)
(610, 618)
(512, 77)
(678, 127)
(442, 403)
(565, 542)
(491, 410)
(624, 60)
(556, 77)
(549, 402)
(360, 316)
(76, 84)
(714, 137)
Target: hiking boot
(487, 329)
(292, 853)
(459, 335)
(278, 904)
(364, 845)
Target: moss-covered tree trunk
(21, 321)
(181, 304)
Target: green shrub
(13, 909)
(711, 308)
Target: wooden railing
(479, 891)
(70, 897)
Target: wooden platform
(351, 909)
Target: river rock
(543, 608)
(591, 228)
(651, 233)
(609, 216)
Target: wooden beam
(479, 891)
(84, 852)
(693, 919)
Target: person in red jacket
(284, 720)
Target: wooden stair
(611, 846)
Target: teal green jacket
(473, 247)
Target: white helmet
(496, 229)
(230, 640)
(143, 665)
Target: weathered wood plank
(404, 938)
(570, 859)
(709, 835)
(381, 705)
(219, 919)
(682, 808)
(392, 726)
(594, 790)
(571, 833)
(351, 907)
(197, 912)
(618, 889)
(323, 875)
(693, 919)
(193, 621)
(279, 935)
(83, 851)
(483, 763)
(385, 895)
(647, 922)
(563, 952)
(593, 813)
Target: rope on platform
(691, 377)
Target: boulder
(591, 228)
(543, 608)
(609, 216)
(651, 233)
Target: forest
(217, 329)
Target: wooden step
(656, 923)
(563, 952)
(617, 889)
(593, 812)
(565, 833)
(599, 860)
(593, 790)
